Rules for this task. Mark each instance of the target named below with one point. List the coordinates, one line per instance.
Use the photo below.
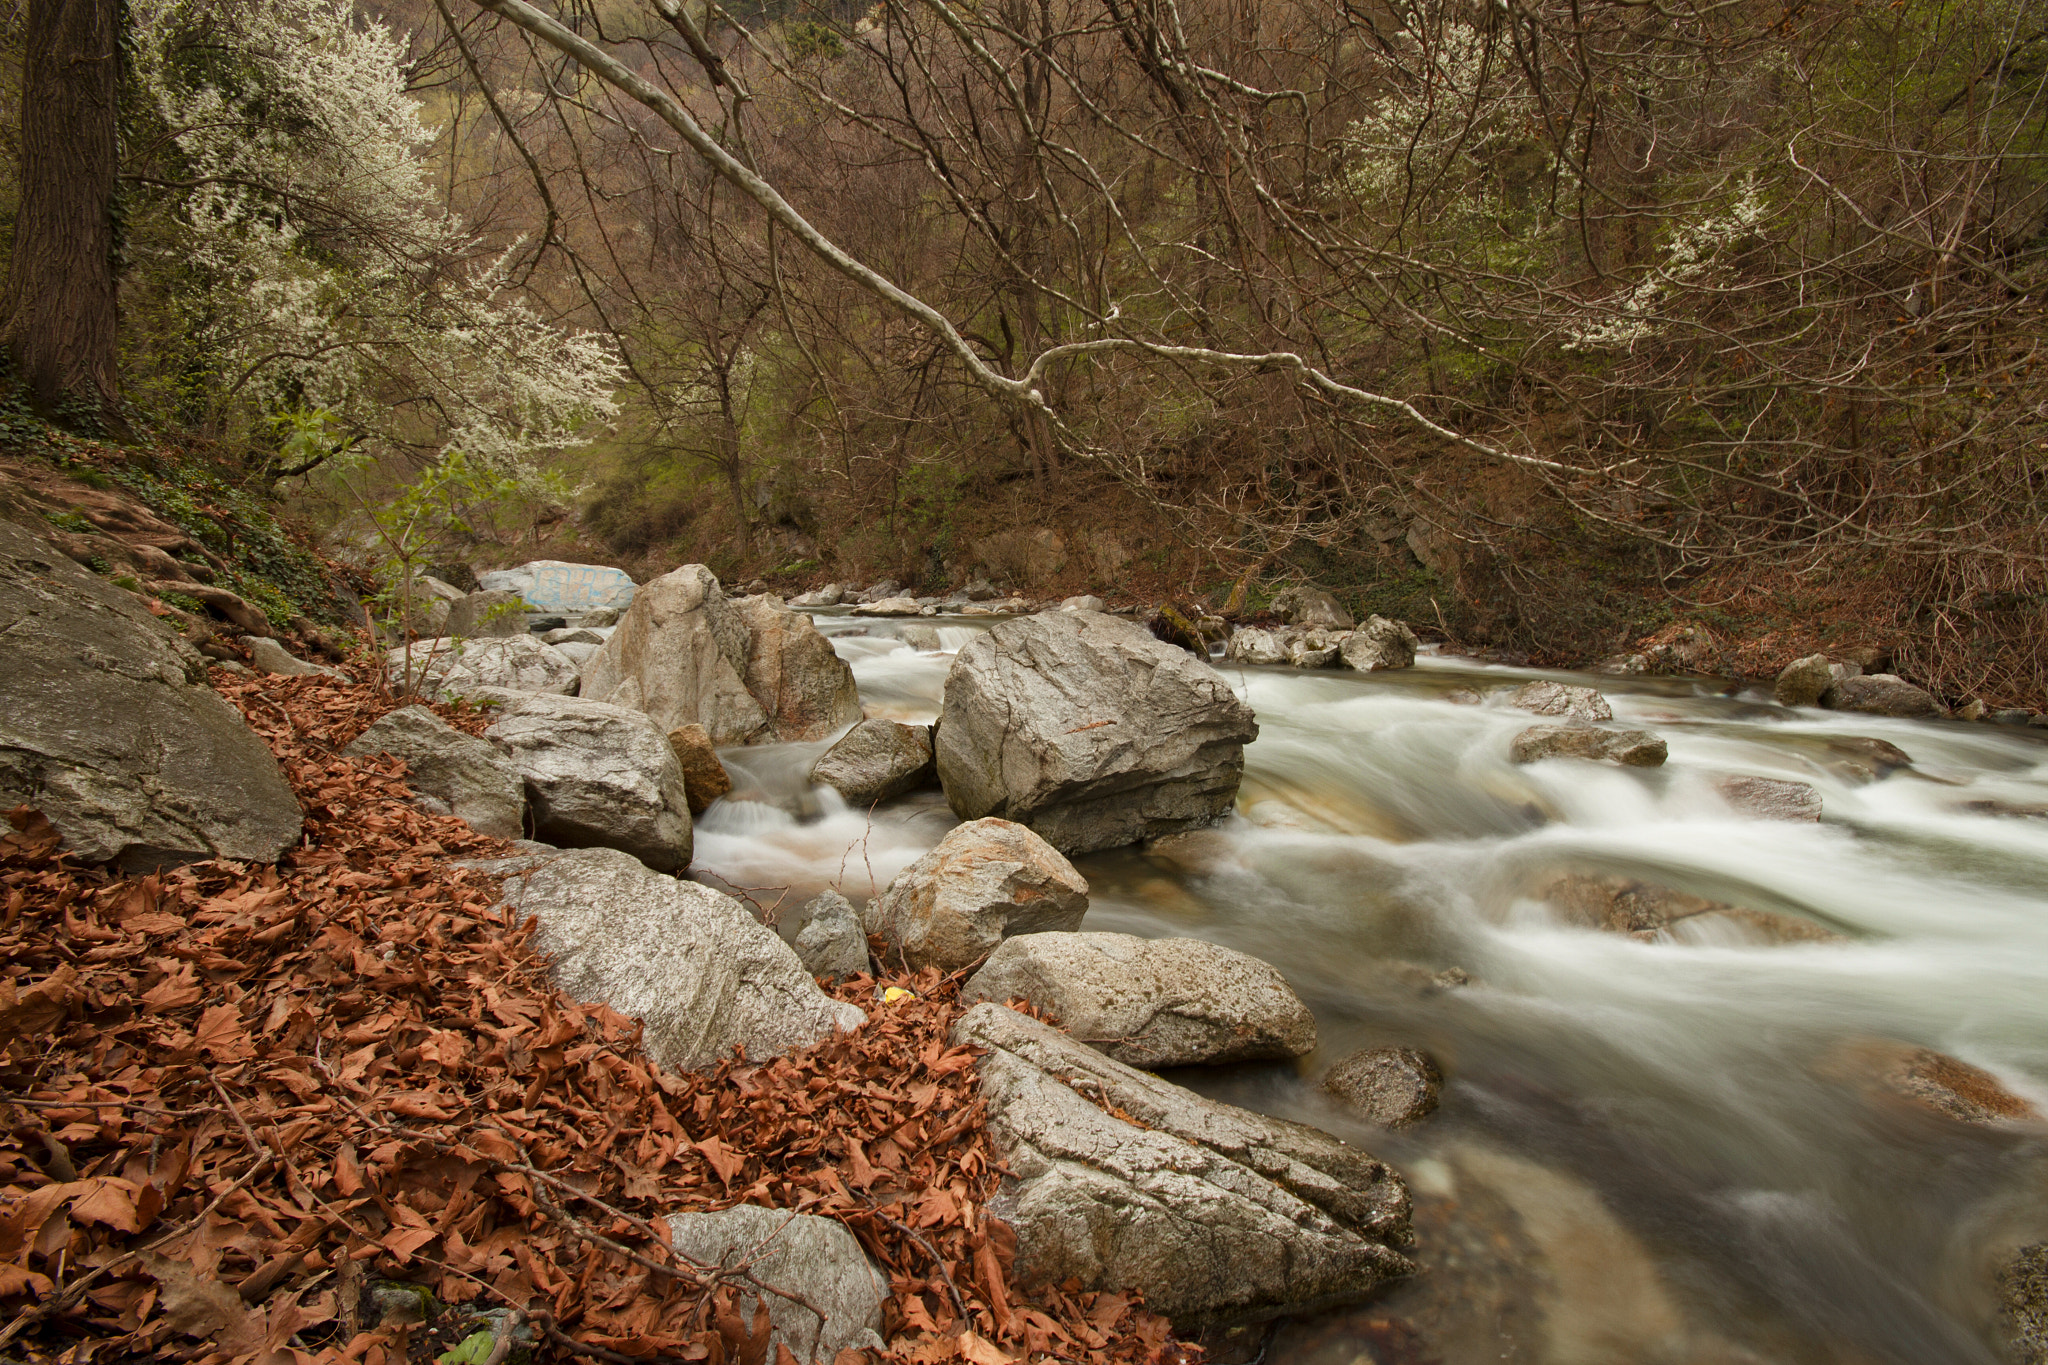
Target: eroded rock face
(1089, 730)
(1633, 748)
(1881, 694)
(1215, 1213)
(1152, 1002)
(815, 1262)
(1391, 1086)
(876, 760)
(451, 667)
(452, 773)
(598, 776)
(750, 671)
(107, 728)
(1562, 699)
(986, 881)
(1379, 643)
(701, 974)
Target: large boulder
(824, 1297)
(1379, 643)
(452, 773)
(748, 671)
(450, 667)
(598, 776)
(1152, 1002)
(985, 881)
(1089, 730)
(108, 729)
(1121, 1180)
(875, 760)
(1881, 694)
(554, 585)
(700, 974)
(1634, 748)
(1310, 606)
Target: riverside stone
(450, 667)
(1256, 645)
(1379, 643)
(985, 881)
(108, 729)
(1394, 1087)
(704, 777)
(1216, 1214)
(699, 972)
(1090, 731)
(891, 606)
(452, 773)
(1152, 1002)
(815, 1263)
(1634, 748)
(1562, 699)
(598, 776)
(1881, 694)
(830, 940)
(1770, 798)
(1801, 682)
(876, 760)
(1310, 606)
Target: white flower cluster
(1696, 249)
(315, 265)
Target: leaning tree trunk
(59, 306)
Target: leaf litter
(243, 1102)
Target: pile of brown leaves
(237, 1097)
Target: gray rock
(891, 606)
(749, 671)
(704, 777)
(979, 590)
(451, 667)
(985, 881)
(1152, 1002)
(831, 595)
(1216, 1214)
(815, 1263)
(578, 652)
(486, 616)
(1562, 699)
(1256, 645)
(1881, 694)
(701, 974)
(2010, 715)
(830, 939)
(1770, 798)
(1085, 602)
(1391, 1086)
(452, 773)
(426, 600)
(885, 588)
(1315, 647)
(1309, 606)
(598, 776)
(1635, 748)
(1090, 731)
(1379, 643)
(269, 656)
(1801, 682)
(922, 638)
(572, 635)
(107, 728)
(1623, 665)
(876, 760)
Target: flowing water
(1670, 1147)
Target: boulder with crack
(986, 881)
(1216, 1214)
(108, 729)
(1090, 731)
(1152, 1002)
(452, 773)
(598, 776)
(700, 974)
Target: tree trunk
(60, 302)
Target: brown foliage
(232, 1091)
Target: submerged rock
(701, 974)
(985, 881)
(1562, 699)
(1152, 1002)
(598, 776)
(814, 1262)
(1634, 748)
(1391, 1086)
(1770, 798)
(1090, 731)
(1657, 913)
(1933, 1081)
(452, 773)
(876, 760)
(1214, 1213)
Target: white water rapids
(1647, 1151)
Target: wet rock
(450, 667)
(1881, 694)
(1937, 1082)
(891, 606)
(1311, 606)
(1085, 728)
(1214, 1213)
(1379, 643)
(598, 776)
(830, 939)
(2023, 1304)
(1801, 682)
(985, 881)
(451, 773)
(922, 638)
(831, 595)
(1196, 853)
(1634, 748)
(557, 585)
(749, 671)
(1085, 602)
(1868, 759)
(1256, 645)
(1770, 798)
(704, 777)
(1658, 914)
(876, 760)
(701, 974)
(886, 588)
(1152, 1002)
(1562, 699)
(268, 656)
(486, 615)
(815, 1263)
(1391, 1086)
(107, 727)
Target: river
(1669, 1148)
